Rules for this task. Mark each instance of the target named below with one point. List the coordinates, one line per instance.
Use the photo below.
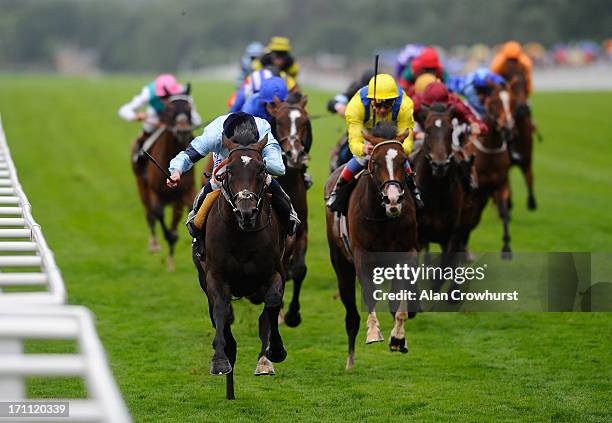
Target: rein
(488, 150)
(381, 187)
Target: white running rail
(25, 314)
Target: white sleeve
(128, 110)
(196, 119)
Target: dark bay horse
(439, 177)
(381, 218)
(291, 120)
(245, 257)
(173, 136)
(490, 171)
(522, 136)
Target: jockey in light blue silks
(211, 141)
(475, 87)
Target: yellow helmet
(423, 81)
(279, 44)
(386, 87)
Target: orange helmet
(512, 50)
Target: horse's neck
(368, 198)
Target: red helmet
(429, 58)
(435, 92)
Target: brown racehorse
(439, 178)
(380, 219)
(291, 120)
(245, 257)
(490, 171)
(522, 137)
(176, 133)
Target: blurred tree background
(156, 35)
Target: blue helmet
(482, 77)
(254, 49)
(273, 87)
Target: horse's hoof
(220, 366)
(276, 356)
(154, 246)
(350, 361)
(374, 335)
(293, 319)
(506, 253)
(398, 345)
(264, 367)
(531, 203)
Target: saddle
(202, 214)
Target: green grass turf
(72, 154)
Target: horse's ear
(229, 144)
(401, 137)
(451, 110)
(167, 93)
(371, 138)
(188, 88)
(303, 101)
(425, 108)
(262, 143)
(277, 101)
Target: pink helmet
(167, 82)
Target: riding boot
(339, 197)
(198, 235)
(282, 204)
(416, 193)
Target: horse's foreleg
(264, 366)
(221, 311)
(298, 272)
(152, 207)
(172, 234)
(346, 286)
(528, 175)
(273, 300)
(230, 352)
(501, 199)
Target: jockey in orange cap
(509, 58)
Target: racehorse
(245, 257)
(291, 120)
(490, 171)
(172, 137)
(381, 218)
(439, 179)
(522, 137)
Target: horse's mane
(245, 133)
(385, 130)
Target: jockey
(511, 56)
(211, 141)
(279, 55)
(153, 97)
(264, 105)
(252, 85)
(252, 52)
(389, 103)
(406, 57)
(436, 92)
(475, 87)
(427, 62)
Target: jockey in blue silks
(211, 141)
(474, 87)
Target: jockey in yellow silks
(389, 104)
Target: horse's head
(177, 116)
(245, 175)
(291, 129)
(518, 91)
(498, 116)
(386, 166)
(437, 146)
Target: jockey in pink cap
(151, 98)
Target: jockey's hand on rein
(367, 149)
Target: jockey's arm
(464, 114)
(354, 116)
(405, 120)
(527, 64)
(272, 153)
(129, 110)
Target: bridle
(451, 155)
(381, 187)
(292, 138)
(242, 195)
